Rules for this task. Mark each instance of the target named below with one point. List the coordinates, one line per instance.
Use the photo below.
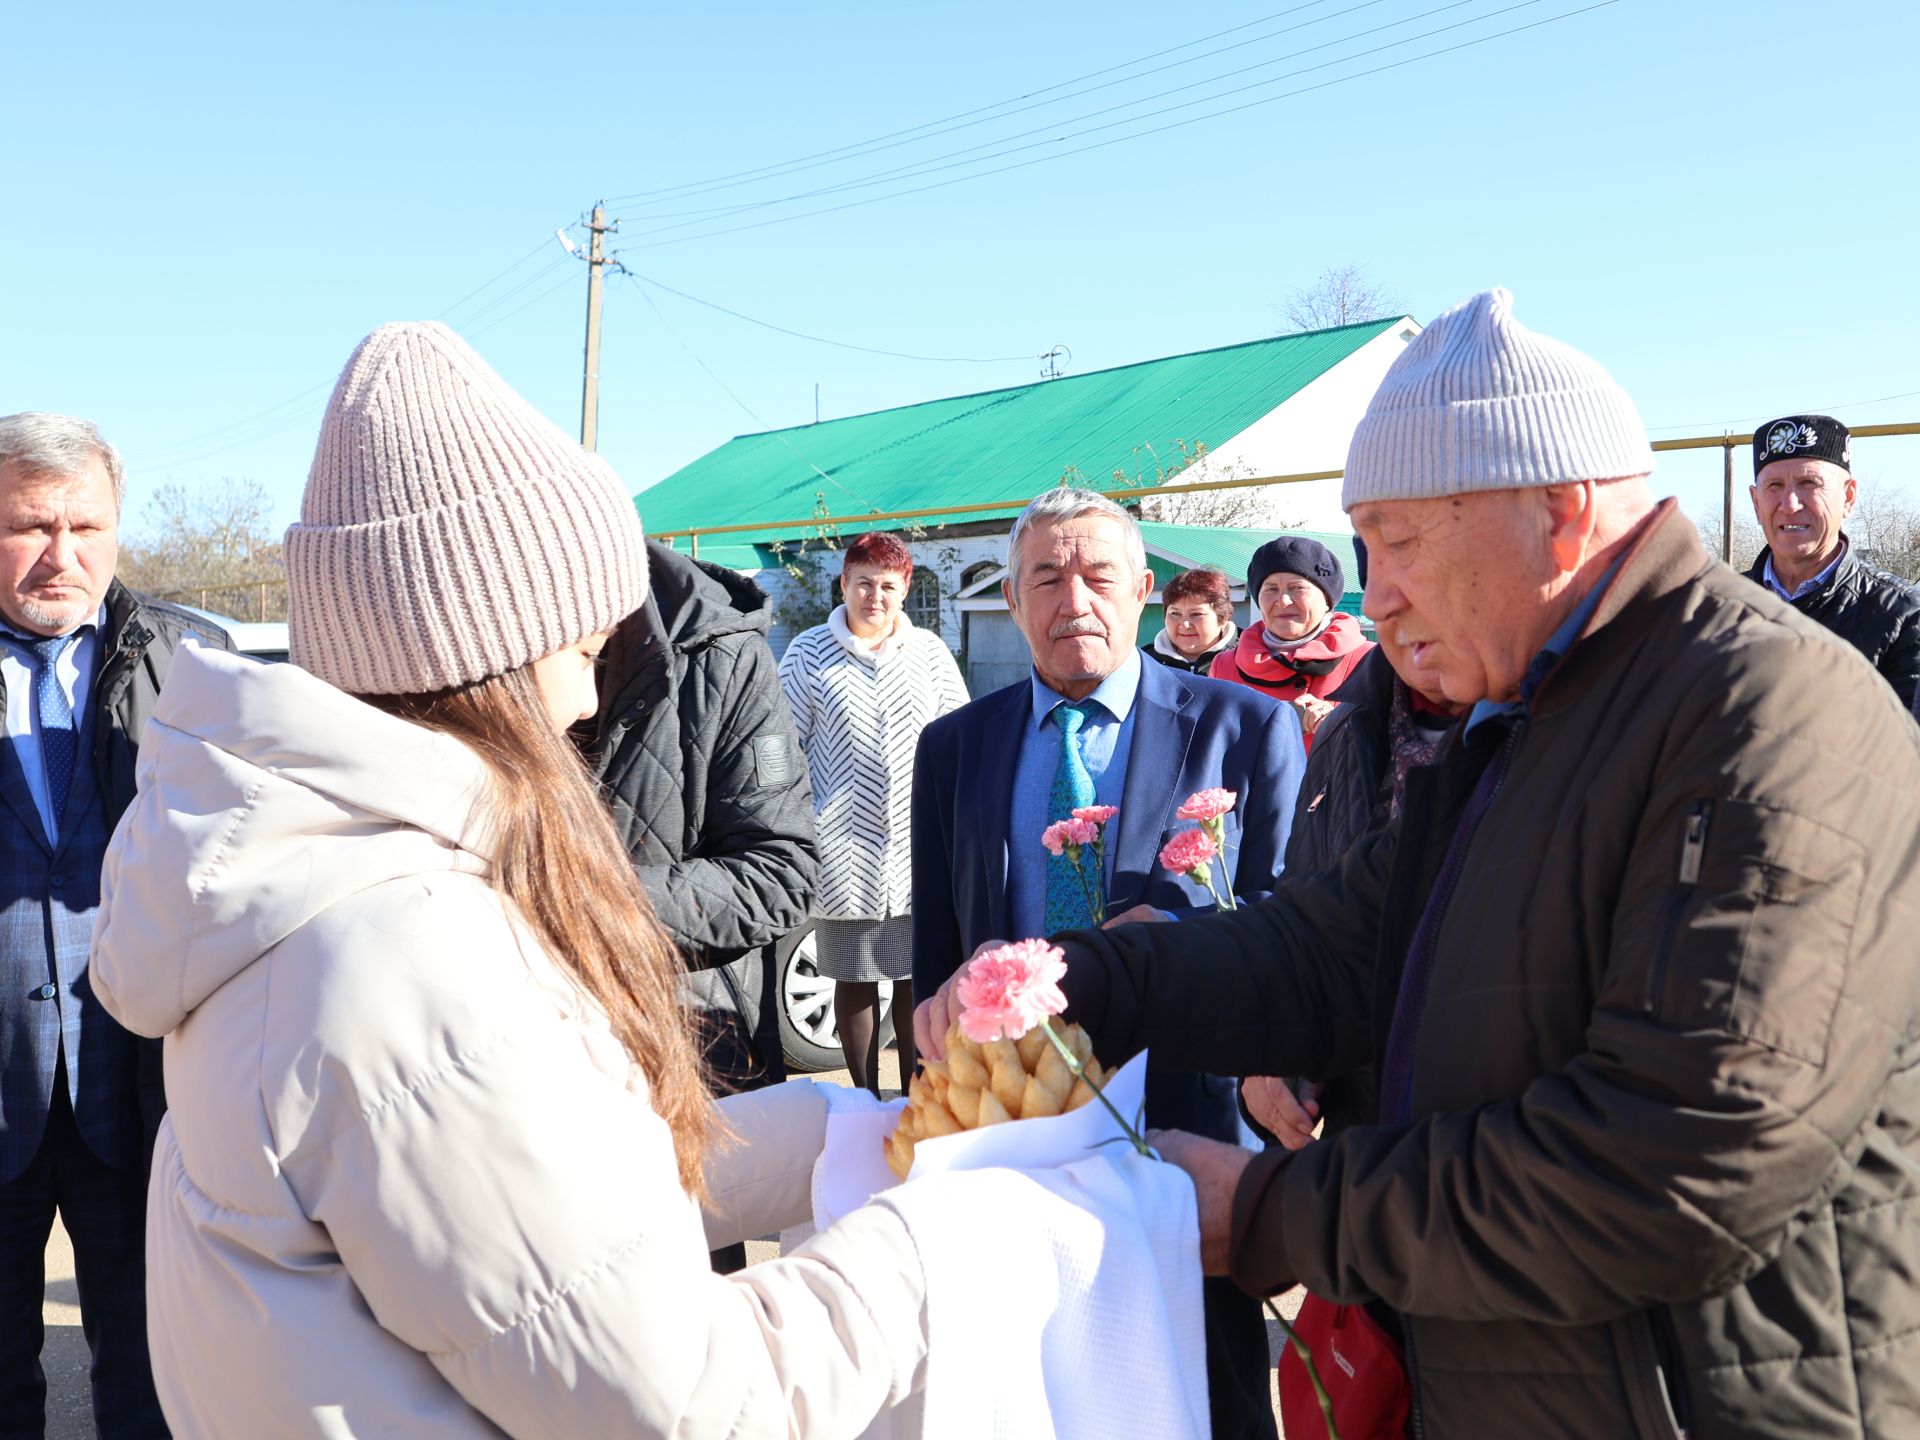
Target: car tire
(809, 1036)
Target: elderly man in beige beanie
(1635, 973)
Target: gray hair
(1066, 502)
(44, 444)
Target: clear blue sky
(208, 205)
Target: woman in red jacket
(1302, 648)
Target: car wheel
(809, 1034)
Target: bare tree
(1885, 526)
(1343, 295)
(1246, 507)
(211, 547)
(1748, 542)
(1884, 530)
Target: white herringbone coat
(859, 711)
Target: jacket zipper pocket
(1693, 849)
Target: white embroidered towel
(1062, 1304)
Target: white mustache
(1088, 626)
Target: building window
(923, 599)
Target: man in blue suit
(1095, 726)
(81, 663)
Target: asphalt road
(69, 1414)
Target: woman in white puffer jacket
(437, 1124)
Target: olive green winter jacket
(1663, 1165)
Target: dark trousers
(104, 1211)
(1238, 1367)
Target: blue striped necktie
(59, 745)
(1067, 907)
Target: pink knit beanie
(449, 532)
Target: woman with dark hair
(438, 1124)
(1303, 647)
(862, 687)
(1198, 605)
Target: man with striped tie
(81, 663)
(1092, 726)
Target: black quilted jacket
(696, 753)
(1876, 613)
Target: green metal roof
(1001, 444)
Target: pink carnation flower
(1206, 804)
(1096, 814)
(1008, 990)
(1064, 835)
(1189, 852)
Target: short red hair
(1207, 585)
(882, 552)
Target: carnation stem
(1080, 1073)
(1313, 1370)
(1096, 906)
(1226, 884)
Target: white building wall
(1310, 431)
(947, 558)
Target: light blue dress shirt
(75, 670)
(1106, 739)
(1807, 587)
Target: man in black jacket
(696, 753)
(1803, 490)
(82, 660)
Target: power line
(780, 167)
(934, 128)
(544, 241)
(821, 339)
(559, 261)
(1745, 420)
(193, 448)
(1142, 134)
(191, 441)
(931, 165)
(752, 414)
(565, 280)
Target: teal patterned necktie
(1067, 907)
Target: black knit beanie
(1296, 555)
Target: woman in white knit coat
(438, 1125)
(862, 687)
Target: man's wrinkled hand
(1138, 915)
(1290, 1117)
(934, 1016)
(1215, 1170)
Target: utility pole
(590, 382)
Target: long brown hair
(558, 859)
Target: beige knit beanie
(449, 532)
(1480, 402)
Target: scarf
(1163, 644)
(1281, 650)
(872, 651)
(1413, 738)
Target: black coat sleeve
(750, 876)
(1901, 663)
(1280, 987)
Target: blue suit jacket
(1189, 733)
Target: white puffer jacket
(410, 1184)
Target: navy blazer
(1189, 733)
